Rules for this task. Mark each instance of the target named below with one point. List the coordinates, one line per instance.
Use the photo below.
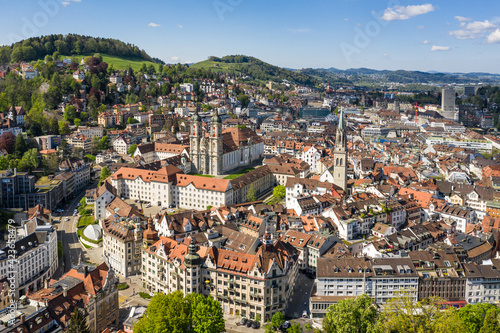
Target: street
(66, 233)
(300, 298)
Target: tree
(7, 142)
(244, 100)
(252, 194)
(64, 149)
(308, 327)
(279, 191)
(178, 314)
(351, 315)
(278, 319)
(474, 316)
(132, 149)
(404, 314)
(450, 321)
(63, 127)
(207, 316)
(78, 323)
(4, 102)
(295, 328)
(77, 122)
(491, 321)
(105, 173)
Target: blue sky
(441, 35)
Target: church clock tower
(340, 155)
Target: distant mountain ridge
(401, 76)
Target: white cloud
(420, 26)
(471, 30)
(66, 3)
(440, 48)
(346, 19)
(494, 37)
(462, 19)
(425, 42)
(180, 26)
(153, 25)
(176, 59)
(405, 12)
(298, 30)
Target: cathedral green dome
(216, 118)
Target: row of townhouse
(422, 274)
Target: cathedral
(217, 152)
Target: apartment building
(122, 244)
(483, 282)
(381, 279)
(96, 285)
(440, 274)
(36, 262)
(80, 168)
(244, 284)
(91, 132)
(81, 141)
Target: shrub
(145, 295)
(122, 286)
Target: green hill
(255, 68)
(116, 61)
(38, 47)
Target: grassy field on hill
(118, 62)
(216, 66)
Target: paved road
(300, 298)
(72, 250)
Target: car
(55, 221)
(163, 208)
(148, 205)
(67, 218)
(255, 325)
(243, 321)
(136, 200)
(286, 325)
(304, 314)
(249, 323)
(172, 206)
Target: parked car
(172, 206)
(163, 208)
(249, 323)
(255, 325)
(287, 325)
(304, 314)
(148, 205)
(67, 218)
(243, 321)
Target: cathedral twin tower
(206, 151)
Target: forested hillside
(38, 47)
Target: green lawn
(217, 66)
(240, 173)
(117, 62)
(85, 221)
(197, 174)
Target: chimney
(65, 291)
(21, 318)
(46, 284)
(85, 271)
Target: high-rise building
(448, 103)
(469, 90)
